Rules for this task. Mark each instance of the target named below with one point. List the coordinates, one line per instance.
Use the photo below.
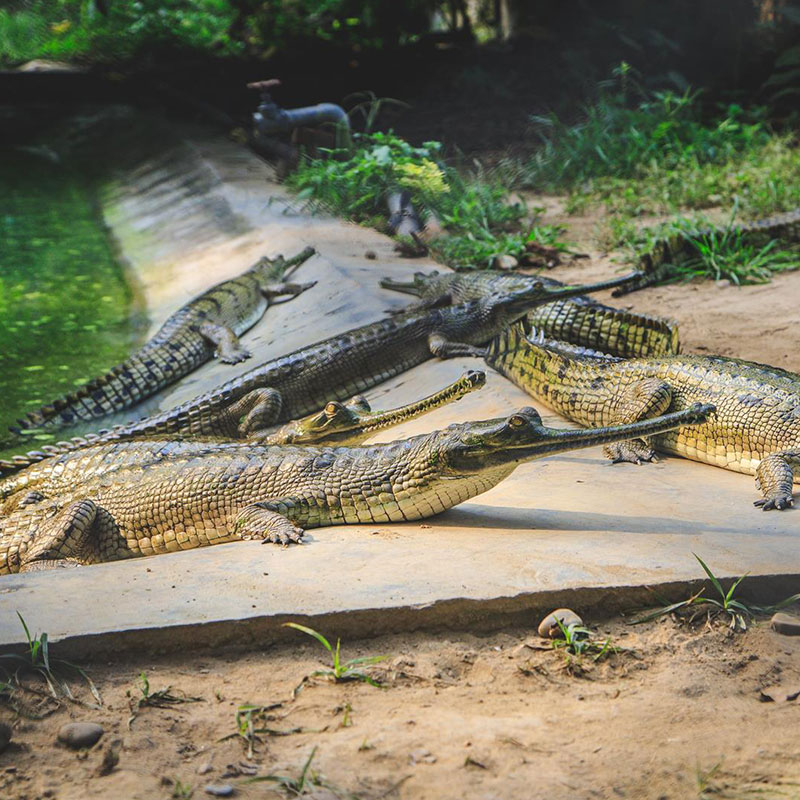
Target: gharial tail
(139, 377)
(516, 349)
(607, 329)
(20, 462)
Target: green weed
(576, 641)
(473, 208)
(629, 127)
(251, 725)
(161, 698)
(737, 611)
(480, 249)
(181, 791)
(695, 247)
(341, 671)
(294, 787)
(53, 671)
(638, 151)
(726, 253)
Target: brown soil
(675, 713)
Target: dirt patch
(675, 713)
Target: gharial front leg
(649, 397)
(254, 411)
(229, 349)
(442, 347)
(273, 290)
(775, 479)
(268, 522)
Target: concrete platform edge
(522, 610)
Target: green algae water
(64, 302)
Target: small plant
(161, 698)
(37, 660)
(341, 671)
(576, 640)
(181, 791)
(248, 719)
(304, 783)
(738, 612)
(479, 249)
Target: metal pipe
(270, 119)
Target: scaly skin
(211, 322)
(167, 496)
(350, 423)
(354, 422)
(654, 264)
(755, 430)
(578, 320)
(302, 382)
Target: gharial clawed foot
(259, 522)
(778, 502)
(233, 355)
(634, 451)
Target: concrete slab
(572, 529)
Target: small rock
(505, 262)
(421, 756)
(203, 769)
(79, 734)
(5, 736)
(722, 284)
(548, 627)
(785, 624)
(371, 255)
(219, 789)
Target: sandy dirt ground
(678, 712)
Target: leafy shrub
(473, 209)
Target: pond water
(64, 302)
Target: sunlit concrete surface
(572, 529)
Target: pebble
(219, 789)
(724, 283)
(505, 262)
(548, 627)
(5, 736)
(785, 624)
(80, 734)
(371, 255)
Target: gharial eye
(516, 421)
(331, 408)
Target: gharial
(335, 369)
(168, 496)
(343, 423)
(578, 319)
(755, 429)
(211, 322)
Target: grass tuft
(340, 671)
(639, 151)
(724, 603)
(55, 672)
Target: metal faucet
(271, 120)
